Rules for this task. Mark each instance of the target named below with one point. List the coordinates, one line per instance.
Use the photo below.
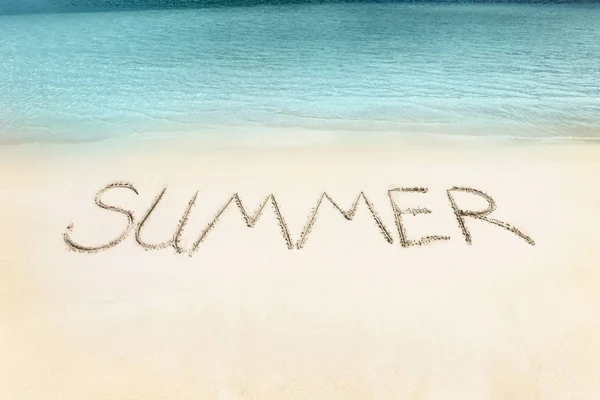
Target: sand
(348, 316)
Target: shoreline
(189, 143)
(283, 137)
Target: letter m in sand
(250, 220)
(349, 215)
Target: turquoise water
(356, 69)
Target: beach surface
(349, 315)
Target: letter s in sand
(130, 221)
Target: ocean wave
(44, 6)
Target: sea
(77, 71)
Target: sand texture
(318, 272)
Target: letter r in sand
(481, 215)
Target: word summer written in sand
(463, 215)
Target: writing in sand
(463, 215)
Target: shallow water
(358, 69)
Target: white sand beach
(347, 316)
